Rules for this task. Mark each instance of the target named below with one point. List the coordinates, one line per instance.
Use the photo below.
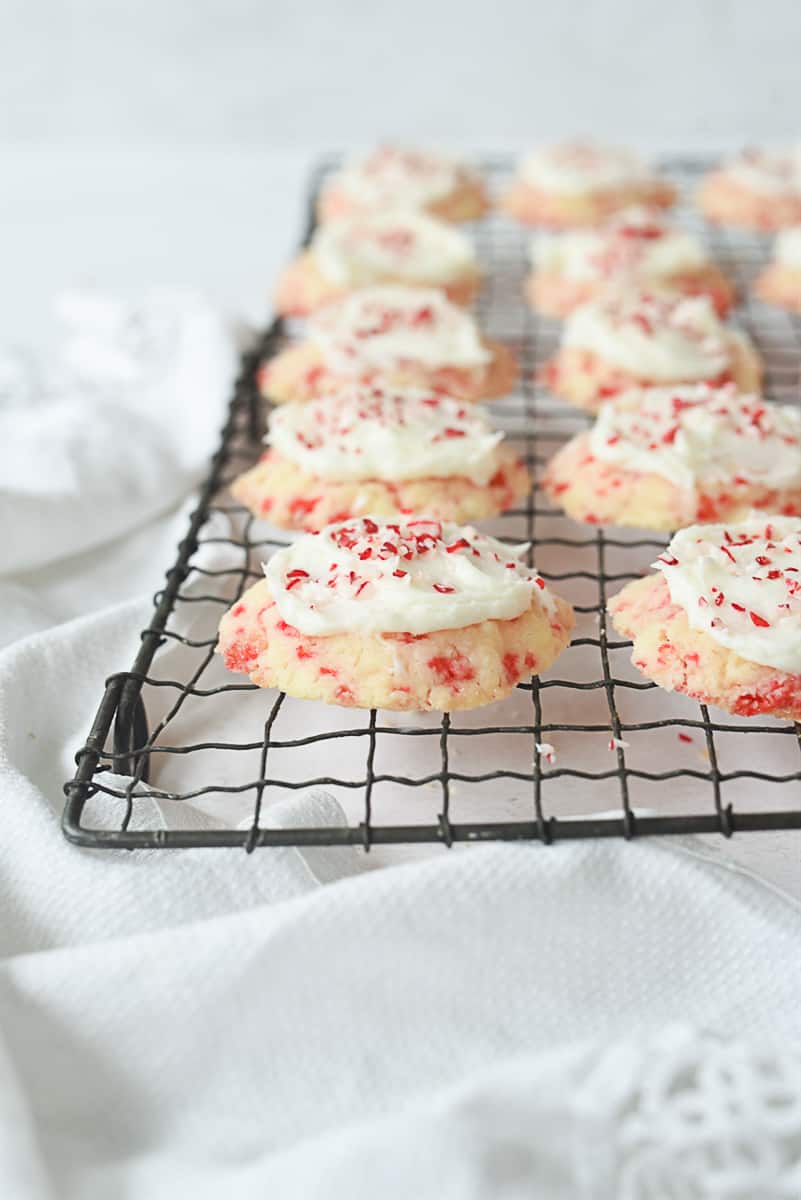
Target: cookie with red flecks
(579, 183)
(403, 614)
(780, 282)
(721, 620)
(662, 458)
(760, 189)
(395, 177)
(636, 338)
(399, 336)
(400, 248)
(377, 450)
(637, 247)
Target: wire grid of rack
(654, 763)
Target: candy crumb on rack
(547, 751)
(616, 743)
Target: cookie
(636, 247)
(407, 615)
(404, 249)
(399, 336)
(392, 177)
(647, 339)
(780, 282)
(662, 458)
(376, 450)
(578, 183)
(721, 622)
(759, 190)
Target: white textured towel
(108, 429)
(587, 1021)
(113, 427)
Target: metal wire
(220, 557)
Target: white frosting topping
(787, 250)
(698, 435)
(380, 328)
(372, 575)
(392, 176)
(365, 432)
(578, 168)
(637, 244)
(770, 172)
(658, 337)
(407, 247)
(741, 584)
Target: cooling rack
(591, 736)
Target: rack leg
(131, 733)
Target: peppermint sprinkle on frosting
(401, 246)
(653, 335)
(409, 575)
(394, 176)
(378, 432)
(635, 244)
(580, 168)
(741, 584)
(700, 436)
(379, 328)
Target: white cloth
(494, 1023)
(114, 428)
(483, 1026)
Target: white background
(164, 141)
(256, 73)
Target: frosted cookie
(759, 190)
(402, 614)
(721, 621)
(392, 177)
(637, 247)
(398, 248)
(662, 458)
(780, 282)
(578, 183)
(370, 449)
(400, 336)
(642, 339)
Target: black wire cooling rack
(591, 737)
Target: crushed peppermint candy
(623, 245)
(634, 246)
(651, 311)
(375, 431)
(741, 584)
(394, 245)
(658, 336)
(582, 167)
(398, 176)
(380, 328)
(547, 751)
(411, 575)
(701, 437)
